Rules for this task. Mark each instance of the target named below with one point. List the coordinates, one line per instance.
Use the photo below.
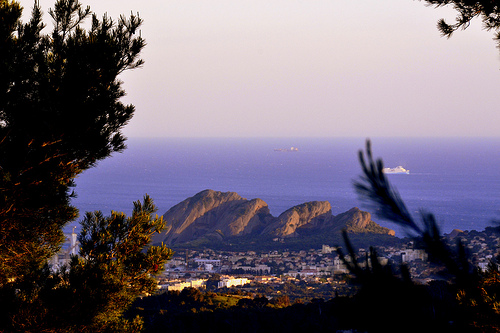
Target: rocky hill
(218, 216)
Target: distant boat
(398, 169)
(287, 149)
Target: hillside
(217, 218)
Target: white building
(230, 282)
(70, 248)
(256, 269)
(191, 283)
(411, 255)
(339, 267)
(213, 262)
(327, 249)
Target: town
(318, 270)
(192, 268)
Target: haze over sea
(457, 179)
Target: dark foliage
(487, 11)
(467, 301)
(262, 243)
(60, 113)
(195, 311)
(378, 309)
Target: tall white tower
(74, 246)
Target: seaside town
(251, 270)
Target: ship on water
(287, 149)
(398, 169)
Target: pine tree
(487, 11)
(469, 299)
(60, 114)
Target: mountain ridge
(217, 216)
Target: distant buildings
(225, 282)
(209, 265)
(70, 248)
(327, 249)
(314, 264)
(412, 255)
(232, 282)
(190, 283)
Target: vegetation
(305, 241)
(487, 11)
(193, 311)
(384, 297)
(60, 113)
(467, 299)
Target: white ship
(287, 149)
(398, 169)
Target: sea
(456, 179)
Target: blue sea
(456, 179)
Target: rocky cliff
(213, 213)
(308, 214)
(358, 221)
(219, 215)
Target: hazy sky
(297, 68)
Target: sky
(315, 68)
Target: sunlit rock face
(217, 215)
(309, 213)
(212, 212)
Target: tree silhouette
(487, 11)
(468, 300)
(60, 114)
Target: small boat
(398, 169)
